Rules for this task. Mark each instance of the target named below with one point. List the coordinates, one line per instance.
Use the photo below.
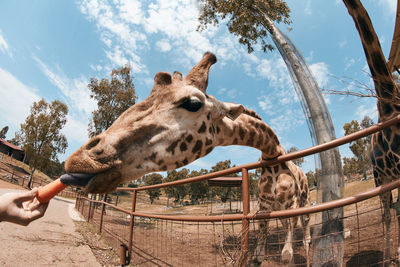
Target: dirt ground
(53, 240)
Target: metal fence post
(90, 207)
(245, 222)
(131, 224)
(103, 207)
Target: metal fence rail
(171, 240)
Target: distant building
(13, 151)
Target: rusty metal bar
(131, 224)
(298, 154)
(275, 214)
(122, 254)
(246, 211)
(103, 207)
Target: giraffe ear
(177, 76)
(233, 111)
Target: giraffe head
(175, 125)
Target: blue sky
(50, 49)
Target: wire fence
(188, 239)
(182, 241)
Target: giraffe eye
(191, 104)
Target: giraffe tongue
(76, 179)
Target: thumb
(27, 195)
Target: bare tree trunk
(328, 249)
(29, 185)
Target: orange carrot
(50, 190)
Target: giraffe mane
(251, 113)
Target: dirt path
(49, 241)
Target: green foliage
(40, 134)
(113, 98)
(253, 183)
(177, 192)
(199, 190)
(360, 147)
(350, 167)
(245, 19)
(152, 179)
(3, 132)
(224, 193)
(55, 169)
(313, 178)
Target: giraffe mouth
(76, 179)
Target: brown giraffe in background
(179, 123)
(385, 146)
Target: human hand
(21, 207)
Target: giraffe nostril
(99, 151)
(92, 143)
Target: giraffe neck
(249, 131)
(385, 87)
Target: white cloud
(115, 29)
(76, 93)
(163, 45)
(286, 120)
(349, 62)
(321, 73)
(96, 67)
(231, 92)
(367, 110)
(76, 129)
(388, 6)
(16, 99)
(126, 26)
(307, 9)
(77, 96)
(131, 11)
(275, 71)
(342, 44)
(4, 45)
(265, 104)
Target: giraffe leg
(305, 223)
(262, 240)
(287, 252)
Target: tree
(55, 169)
(113, 98)
(177, 192)
(224, 193)
(197, 190)
(350, 167)
(152, 179)
(3, 132)
(252, 21)
(244, 20)
(40, 134)
(253, 183)
(360, 147)
(298, 161)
